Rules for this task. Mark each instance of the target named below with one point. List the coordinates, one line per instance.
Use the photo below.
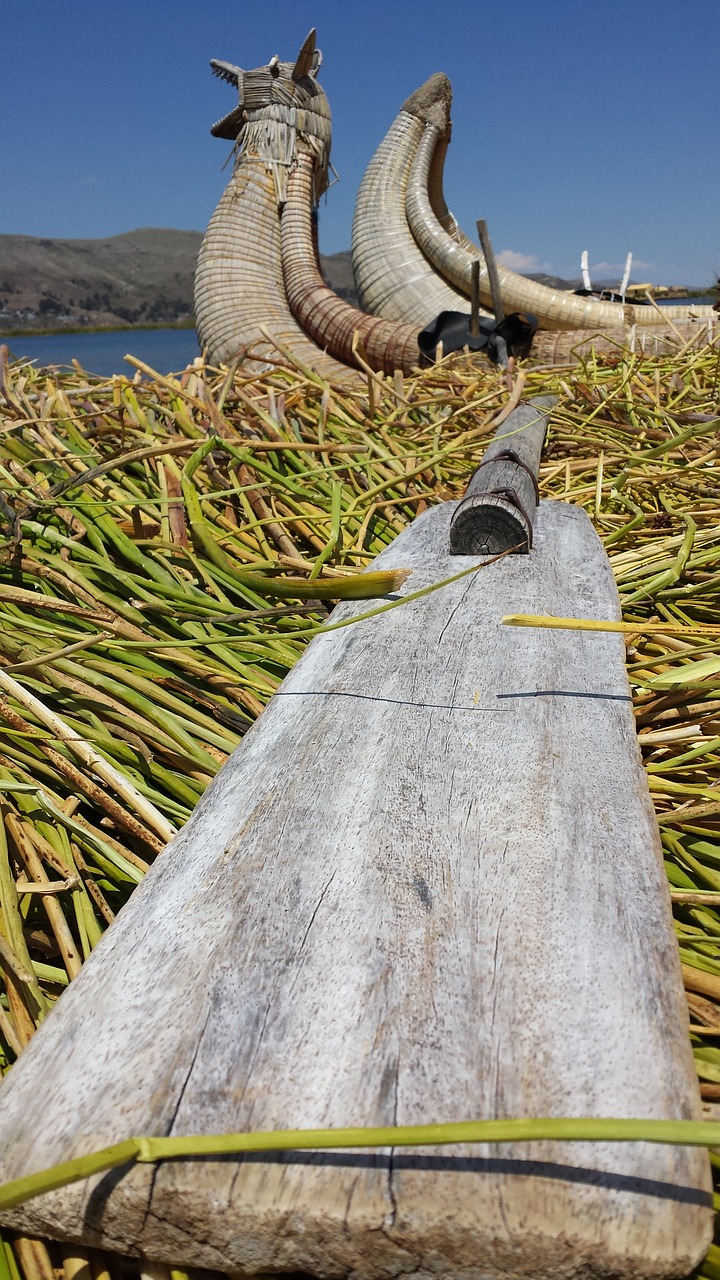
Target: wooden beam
(493, 278)
(475, 299)
(497, 511)
(428, 886)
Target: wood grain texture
(498, 509)
(427, 887)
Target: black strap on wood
(509, 455)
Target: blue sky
(576, 124)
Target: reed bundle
(452, 254)
(394, 278)
(334, 325)
(239, 291)
(167, 547)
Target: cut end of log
(487, 525)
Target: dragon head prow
(277, 84)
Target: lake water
(698, 300)
(165, 350)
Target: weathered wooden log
(497, 511)
(427, 887)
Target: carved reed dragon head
(280, 105)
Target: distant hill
(141, 277)
(338, 273)
(552, 282)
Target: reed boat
(259, 294)
(394, 277)
(240, 303)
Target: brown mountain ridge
(139, 278)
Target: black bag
(512, 337)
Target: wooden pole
(475, 300)
(497, 511)
(493, 279)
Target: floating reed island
(170, 546)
